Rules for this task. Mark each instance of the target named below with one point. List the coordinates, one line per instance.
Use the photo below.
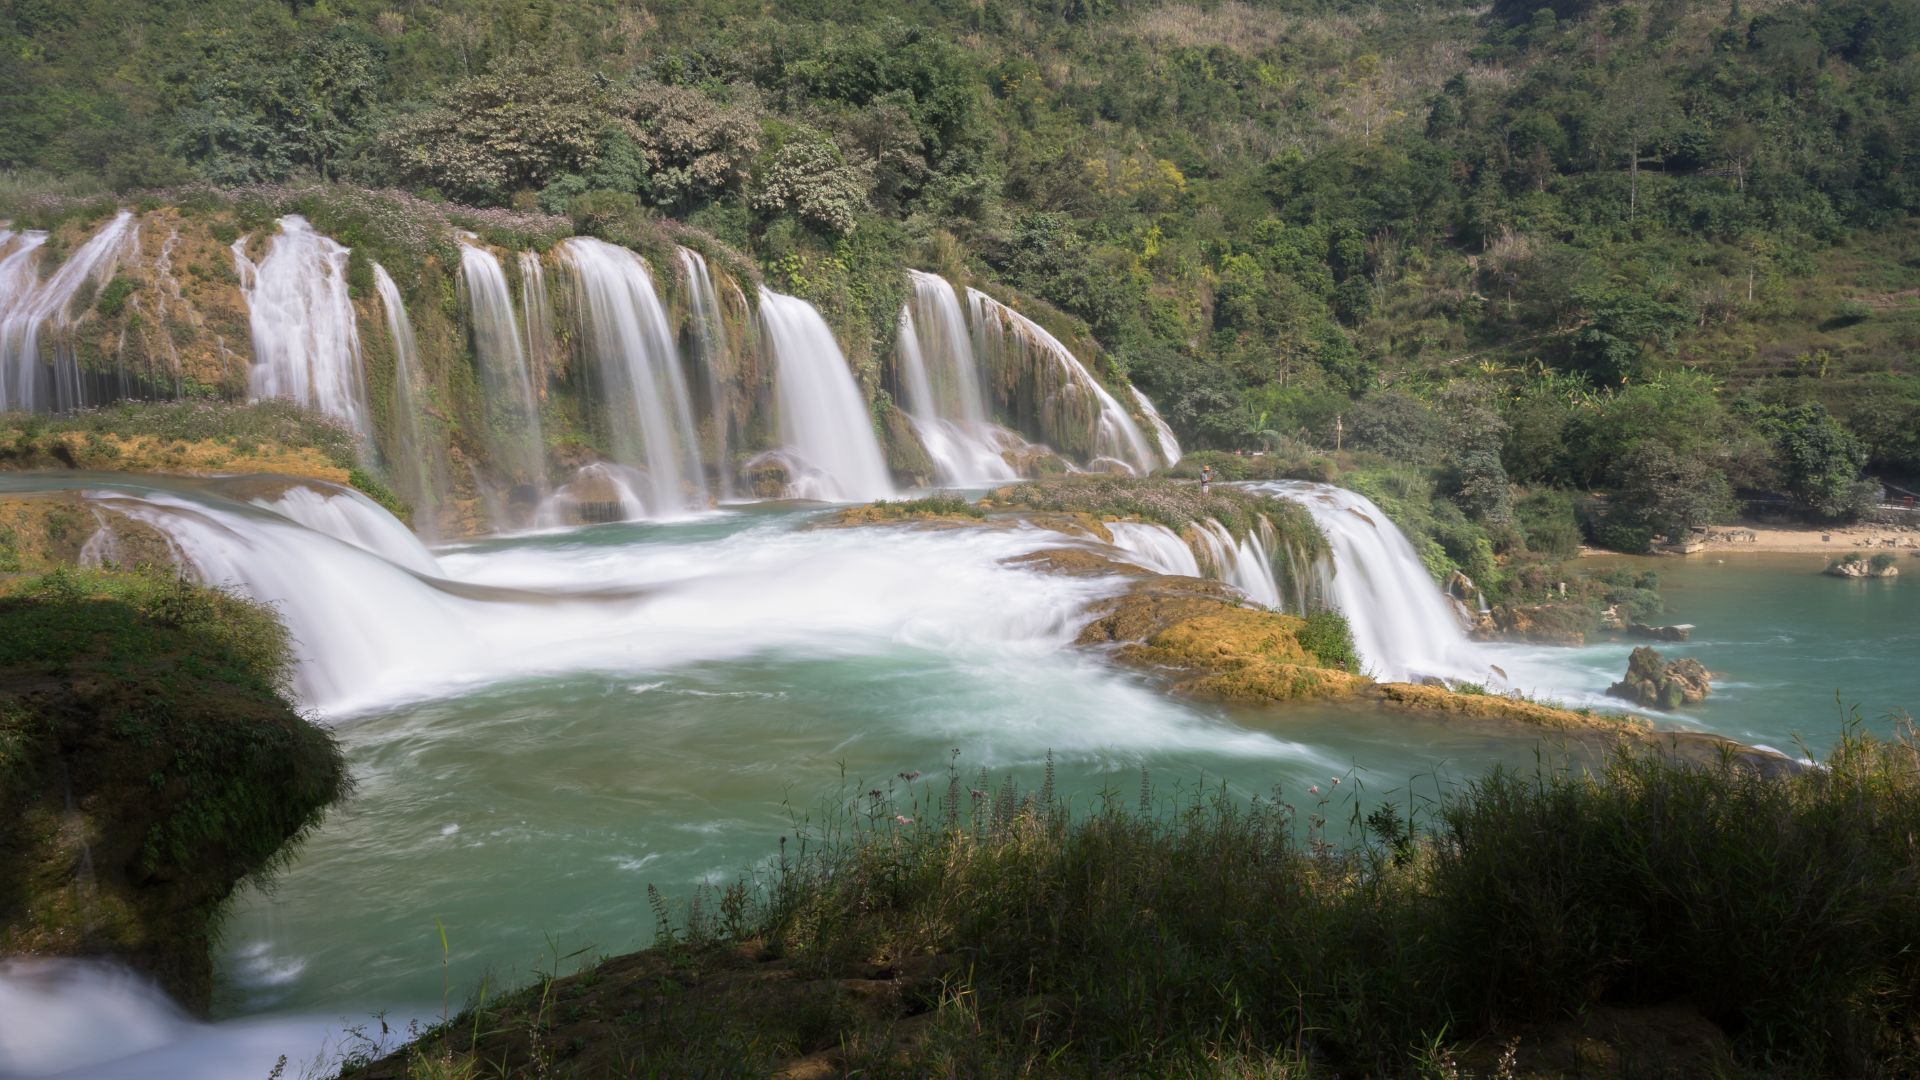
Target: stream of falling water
(306, 342)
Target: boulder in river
(1676, 632)
(1657, 684)
(1857, 564)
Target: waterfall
(19, 355)
(599, 492)
(357, 621)
(833, 454)
(28, 307)
(347, 516)
(940, 386)
(418, 466)
(1169, 445)
(306, 344)
(536, 310)
(1243, 564)
(512, 408)
(1155, 547)
(649, 413)
(1403, 625)
(1052, 392)
(710, 331)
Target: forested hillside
(1661, 249)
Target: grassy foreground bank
(1644, 918)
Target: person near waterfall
(1206, 479)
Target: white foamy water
(513, 406)
(940, 378)
(91, 1020)
(370, 630)
(1169, 443)
(1403, 625)
(38, 374)
(998, 329)
(1155, 547)
(306, 342)
(830, 446)
(645, 399)
(347, 515)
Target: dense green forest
(1664, 249)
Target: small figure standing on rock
(1206, 479)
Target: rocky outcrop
(1858, 565)
(148, 765)
(1657, 684)
(1203, 637)
(1676, 632)
(1540, 624)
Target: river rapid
(540, 726)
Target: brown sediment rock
(1441, 700)
(1213, 645)
(42, 530)
(154, 454)
(1541, 624)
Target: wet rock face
(1564, 623)
(1656, 684)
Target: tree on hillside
(1820, 462)
(1668, 493)
(527, 120)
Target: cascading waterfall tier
(1208, 550)
(39, 370)
(1169, 444)
(1403, 625)
(513, 408)
(830, 450)
(306, 342)
(644, 397)
(954, 369)
(538, 311)
(716, 360)
(1047, 391)
(418, 464)
(940, 385)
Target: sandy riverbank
(1802, 538)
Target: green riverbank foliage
(1654, 248)
(1689, 920)
(149, 762)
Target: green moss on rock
(149, 762)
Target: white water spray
(648, 410)
(940, 384)
(1169, 443)
(306, 343)
(91, 1020)
(1155, 547)
(351, 517)
(512, 406)
(832, 452)
(418, 467)
(39, 372)
(1403, 625)
(1005, 336)
(716, 356)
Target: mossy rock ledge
(149, 763)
